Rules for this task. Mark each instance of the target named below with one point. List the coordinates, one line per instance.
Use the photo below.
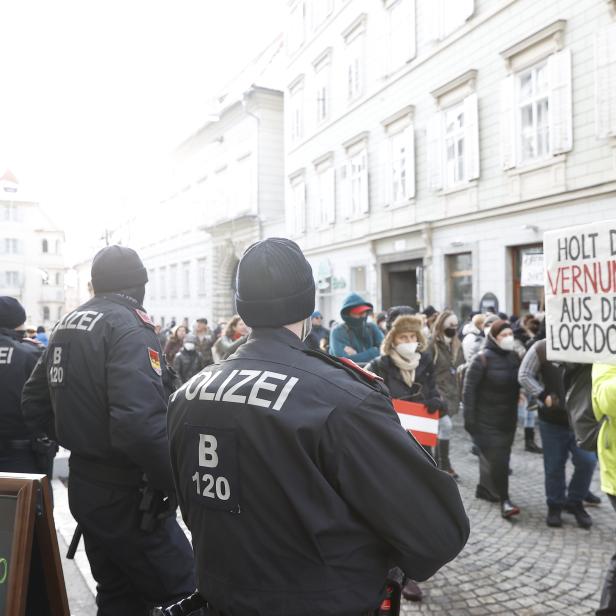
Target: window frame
(458, 135)
(533, 100)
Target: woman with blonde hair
(447, 355)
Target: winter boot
(554, 518)
(529, 441)
(442, 452)
(411, 591)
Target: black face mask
(450, 332)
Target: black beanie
(12, 313)
(117, 267)
(275, 286)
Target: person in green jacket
(604, 405)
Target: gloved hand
(434, 404)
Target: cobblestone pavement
(520, 567)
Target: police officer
(294, 475)
(104, 372)
(17, 360)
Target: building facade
(31, 254)
(430, 143)
(226, 192)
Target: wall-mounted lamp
(533, 228)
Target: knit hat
(394, 312)
(275, 286)
(498, 326)
(404, 324)
(490, 319)
(12, 313)
(117, 267)
(429, 311)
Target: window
(10, 279)
(296, 31)
(245, 184)
(59, 313)
(400, 166)
(533, 113)
(325, 211)
(536, 98)
(320, 11)
(354, 58)
(186, 279)
(201, 276)
(162, 278)
(58, 279)
(357, 174)
(297, 206)
(460, 284)
(359, 279)
(10, 212)
(45, 313)
(322, 81)
(11, 246)
(296, 110)
(45, 246)
(448, 15)
(173, 281)
(58, 247)
(401, 31)
(605, 81)
(528, 289)
(454, 146)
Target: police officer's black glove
(434, 404)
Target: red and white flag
(416, 419)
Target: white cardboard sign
(580, 291)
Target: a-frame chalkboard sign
(31, 578)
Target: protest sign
(580, 289)
(532, 269)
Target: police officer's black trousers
(134, 570)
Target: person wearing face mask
(447, 355)
(406, 367)
(490, 397)
(356, 338)
(295, 477)
(188, 361)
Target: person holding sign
(299, 485)
(490, 397)
(408, 372)
(101, 380)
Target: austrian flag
(416, 419)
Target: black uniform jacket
(299, 485)
(491, 390)
(100, 377)
(17, 360)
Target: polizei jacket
(300, 486)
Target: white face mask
(506, 343)
(189, 346)
(407, 350)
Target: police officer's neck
(296, 328)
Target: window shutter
(508, 124)
(466, 8)
(435, 152)
(365, 197)
(436, 18)
(561, 121)
(345, 190)
(605, 82)
(410, 162)
(471, 137)
(331, 195)
(412, 32)
(386, 167)
(301, 209)
(291, 211)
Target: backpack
(461, 371)
(578, 402)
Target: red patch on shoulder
(366, 374)
(155, 361)
(144, 316)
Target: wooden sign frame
(34, 536)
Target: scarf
(406, 367)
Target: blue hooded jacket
(364, 337)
